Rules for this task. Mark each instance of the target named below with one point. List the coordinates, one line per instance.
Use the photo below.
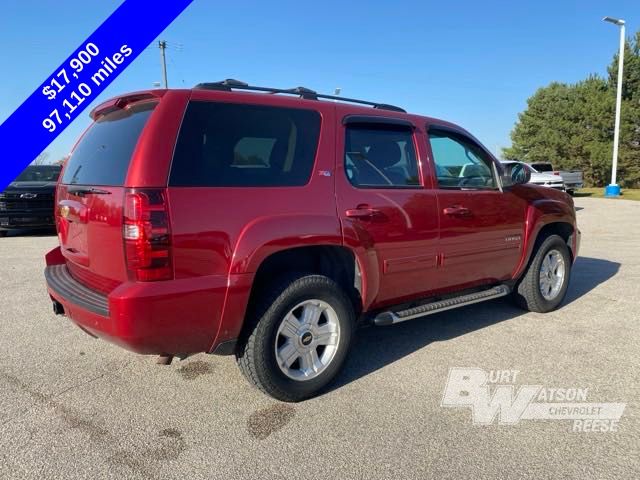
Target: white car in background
(545, 179)
(572, 178)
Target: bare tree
(41, 159)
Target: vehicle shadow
(582, 194)
(376, 347)
(587, 273)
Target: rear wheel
(300, 335)
(544, 285)
(3, 233)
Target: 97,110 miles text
(82, 91)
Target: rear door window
(381, 156)
(238, 145)
(102, 157)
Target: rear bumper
(62, 285)
(169, 317)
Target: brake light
(556, 172)
(146, 234)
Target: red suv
(268, 223)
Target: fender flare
(540, 213)
(255, 243)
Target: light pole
(613, 189)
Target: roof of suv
(309, 98)
(293, 97)
(303, 92)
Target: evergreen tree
(571, 126)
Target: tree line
(571, 125)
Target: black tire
(256, 355)
(571, 192)
(3, 233)
(527, 293)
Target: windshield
(39, 173)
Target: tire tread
(527, 292)
(253, 365)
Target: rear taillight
(146, 233)
(556, 173)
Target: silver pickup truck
(572, 178)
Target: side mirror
(515, 174)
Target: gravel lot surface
(74, 407)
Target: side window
(239, 145)
(459, 162)
(379, 156)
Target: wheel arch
(547, 217)
(274, 245)
(333, 261)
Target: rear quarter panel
(152, 158)
(228, 231)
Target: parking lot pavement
(75, 407)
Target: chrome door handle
(457, 211)
(362, 211)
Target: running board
(391, 317)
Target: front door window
(459, 163)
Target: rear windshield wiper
(81, 191)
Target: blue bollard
(612, 191)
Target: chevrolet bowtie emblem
(64, 211)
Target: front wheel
(299, 338)
(544, 285)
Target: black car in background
(28, 202)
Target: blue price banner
(80, 79)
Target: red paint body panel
(473, 247)
(91, 236)
(151, 160)
(176, 316)
(219, 237)
(398, 247)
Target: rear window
(237, 145)
(542, 167)
(102, 157)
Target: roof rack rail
(306, 93)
